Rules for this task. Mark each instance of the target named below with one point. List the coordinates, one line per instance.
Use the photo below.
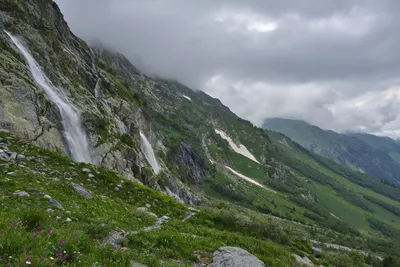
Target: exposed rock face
(235, 257)
(192, 163)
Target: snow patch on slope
(247, 178)
(188, 98)
(241, 149)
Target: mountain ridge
(349, 150)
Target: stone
(305, 261)
(4, 166)
(3, 155)
(90, 175)
(148, 205)
(21, 194)
(234, 257)
(51, 211)
(68, 220)
(11, 173)
(56, 203)
(13, 155)
(82, 191)
(21, 157)
(33, 191)
(86, 170)
(143, 209)
(47, 196)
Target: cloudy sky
(335, 64)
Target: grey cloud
(305, 59)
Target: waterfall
(75, 136)
(149, 153)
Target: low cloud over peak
(331, 63)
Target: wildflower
(10, 257)
(51, 258)
(28, 262)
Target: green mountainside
(375, 155)
(252, 189)
(386, 144)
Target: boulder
(56, 203)
(82, 191)
(3, 155)
(21, 157)
(305, 261)
(234, 257)
(21, 194)
(14, 155)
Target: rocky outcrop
(235, 257)
(192, 163)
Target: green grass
(29, 233)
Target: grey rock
(90, 175)
(82, 191)
(4, 166)
(21, 157)
(13, 155)
(305, 261)
(51, 211)
(234, 257)
(86, 170)
(3, 155)
(21, 194)
(56, 203)
(33, 191)
(148, 205)
(11, 173)
(190, 160)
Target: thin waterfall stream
(75, 136)
(148, 152)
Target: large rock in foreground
(235, 257)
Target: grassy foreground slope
(44, 221)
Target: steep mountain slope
(385, 144)
(364, 153)
(204, 154)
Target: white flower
(51, 258)
(10, 257)
(28, 262)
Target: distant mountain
(378, 156)
(386, 144)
